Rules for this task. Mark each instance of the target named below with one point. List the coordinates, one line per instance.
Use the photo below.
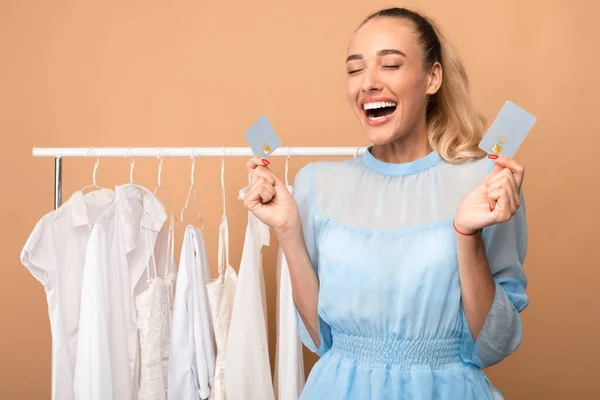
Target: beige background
(197, 73)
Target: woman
(406, 264)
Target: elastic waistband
(395, 353)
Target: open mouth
(379, 110)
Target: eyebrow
(380, 53)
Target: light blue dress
(391, 323)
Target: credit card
(508, 131)
(262, 137)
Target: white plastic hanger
(162, 190)
(357, 151)
(191, 190)
(223, 184)
(96, 164)
(223, 256)
(131, 168)
(145, 222)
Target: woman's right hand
(268, 198)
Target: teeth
(379, 104)
(376, 118)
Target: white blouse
(247, 370)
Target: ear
(434, 78)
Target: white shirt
(247, 370)
(289, 362)
(55, 254)
(192, 356)
(148, 216)
(106, 324)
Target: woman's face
(387, 84)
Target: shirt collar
(78, 205)
(150, 213)
(151, 207)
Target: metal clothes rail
(59, 152)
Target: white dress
(192, 357)
(152, 308)
(147, 220)
(165, 258)
(289, 362)
(221, 292)
(248, 371)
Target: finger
(496, 194)
(492, 187)
(511, 164)
(511, 200)
(511, 182)
(492, 204)
(498, 175)
(263, 173)
(507, 179)
(259, 194)
(252, 199)
(504, 179)
(256, 161)
(495, 170)
(504, 200)
(503, 206)
(266, 191)
(500, 201)
(267, 194)
(497, 181)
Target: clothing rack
(59, 152)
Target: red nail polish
(492, 156)
(265, 161)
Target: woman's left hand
(495, 200)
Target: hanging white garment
(248, 370)
(192, 357)
(165, 258)
(102, 368)
(148, 217)
(221, 293)
(289, 362)
(152, 308)
(54, 253)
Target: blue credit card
(262, 137)
(508, 131)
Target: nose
(371, 81)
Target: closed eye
(391, 66)
(353, 71)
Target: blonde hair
(455, 126)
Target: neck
(410, 147)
